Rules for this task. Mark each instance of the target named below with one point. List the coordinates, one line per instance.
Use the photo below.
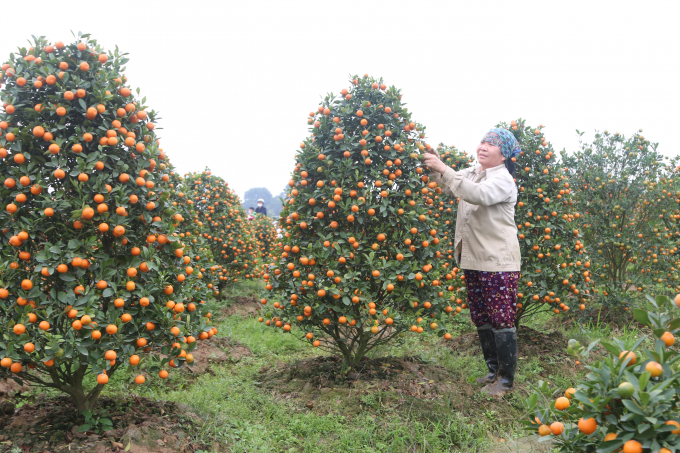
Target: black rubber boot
(488, 342)
(506, 345)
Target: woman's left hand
(434, 163)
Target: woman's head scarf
(504, 139)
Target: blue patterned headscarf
(504, 139)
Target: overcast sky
(235, 80)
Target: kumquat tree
(555, 267)
(93, 274)
(627, 402)
(198, 247)
(265, 235)
(361, 258)
(448, 210)
(229, 234)
(630, 194)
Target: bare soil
(242, 306)
(140, 425)
(214, 351)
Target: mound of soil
(530, 343)
(377, 385)
(217, 350)
(615, 317)
(242, 306)
(9, 388)
(140, 425)
(408, 375)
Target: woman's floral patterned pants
(492, 298)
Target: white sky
(234, 81)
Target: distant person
(260, 207)
(251, 213)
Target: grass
(243, 415)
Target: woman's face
(489, 155)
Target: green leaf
(83, 428)
(664, 384)
(67, 277)
(642, 317)
(533, 399)
(82, 103)
(611, 445)
(644, 379)
(108, 292)
(106, 421)
(612, 349)
(674, 324)
(644, 398)
(632, 407)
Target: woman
(487, 249)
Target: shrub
(197, 246)
(628, 399)
(91, 263)
(227, 230)
(448, 210)
(265, 235)
(555, 267)
(629, 194)
(361, 260)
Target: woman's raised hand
(431, 160)
(432, 151)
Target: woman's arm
(436, 177)
(485, 193)
(438, 169)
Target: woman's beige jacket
(486, 234)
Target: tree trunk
(220, 287)
(83, 401)
(352, 355)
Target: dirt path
(242, 306)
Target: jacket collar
(478, 169)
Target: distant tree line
(271, 202)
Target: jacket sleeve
(436, 177)
(439, 179)
(485, 193)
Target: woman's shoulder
(500, 172)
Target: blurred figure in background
(260, 207)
